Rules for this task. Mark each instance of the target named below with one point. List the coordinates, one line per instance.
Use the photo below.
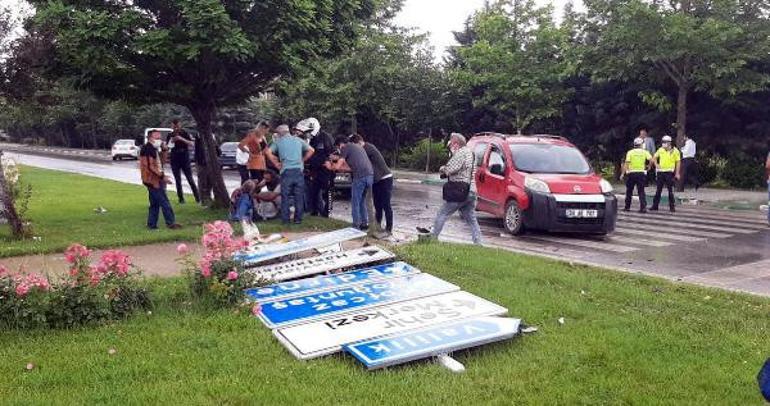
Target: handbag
(456, 192)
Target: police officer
(635, 171)
(666, 160)
(319, 180)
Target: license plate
(580, 213)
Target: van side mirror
(496, 169)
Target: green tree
(201, 54)
(696, 45)
(516, 63)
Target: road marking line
(657, 234)
(639, 241)
(677, 231)
(685, 226)
(593, 244)
(698, 219)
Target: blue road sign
(429, 342)
(273, 251)
(313, 306)
(328, 282)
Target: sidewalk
(723, 198)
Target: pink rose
(4, 272)
(75, 253)
(182, 249)
(232, 275)
(256, 309)
(22, 289)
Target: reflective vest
(667, 159)
(637, 159)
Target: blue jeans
(159, 201)
(467, 212)
(358, 190)
(292, 190)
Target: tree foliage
(516, 64)
(200, 54)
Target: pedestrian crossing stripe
(683, 227)
(686, 219)
(665, 235)
(593, 244)
(639, 241)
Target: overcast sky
(437, 17)
(441, 17)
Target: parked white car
(124, 149)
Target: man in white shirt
(689, 166)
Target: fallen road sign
(306, 286)
(323, 263)
(323, 337)
(313, 306)
(429, 342)
(259, 254)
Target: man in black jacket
(319, 179)
(180, 159)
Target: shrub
(88, 294)
(416, 157)
(743, 172)
(217, 279)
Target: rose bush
(216, 278)
(88, 294)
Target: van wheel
(514, 223)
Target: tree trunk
(8, 206)
(202, 113)
(681, 115)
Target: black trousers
(664, 179)
(319, 196)
(382, 191)
(689, 174)
(179, 166)
(256, 175)
(636, 180)
(244, 172)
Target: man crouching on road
(153, 177)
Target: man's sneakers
(174, 226)
(642, 211)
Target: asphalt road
(708, 246)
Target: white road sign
(431, 341)
(323, 337)
(259, 254)
(321, 264)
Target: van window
(478, 151)
(496, 158)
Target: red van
(541, 182)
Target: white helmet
(309, 124)
(638, 142)
(666, 138)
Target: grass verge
(62, 212)
(626, 340)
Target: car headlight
(536, 185)
(606, 186)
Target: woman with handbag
(460, 190)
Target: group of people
(666, 167)
(303, 161)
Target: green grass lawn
(62, 212)
(626, 340)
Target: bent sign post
(429, 342)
